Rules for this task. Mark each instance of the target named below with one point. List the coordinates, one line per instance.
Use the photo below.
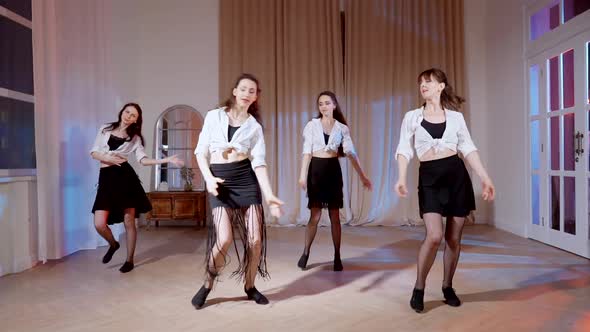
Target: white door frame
(575, 35)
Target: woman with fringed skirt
(231, 157)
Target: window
(17, 119)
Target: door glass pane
(554, 130)
(17, 134)
(572, 8)
(544, 20)
(555, 199)
(569, 202)
(535, 199)
(554, 83)
(534, 89)
(535, 145)
(568, 79)
(588, 72)
(569, 142)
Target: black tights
(312, 227)
(432, 240)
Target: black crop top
(230, 132)
(436, 130)
(115, 142)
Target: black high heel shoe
(450, 297)
(254, 294)
(199, 299)
(302, 264)
(417, 300)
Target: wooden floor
(507, 283)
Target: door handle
(579, 145)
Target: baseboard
(24, 263)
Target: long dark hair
(448, 99)
(336, 114)
(134, 128)
(254, 109)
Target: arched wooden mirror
(177, 132)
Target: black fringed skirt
(239, 201)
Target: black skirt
(240, 198)
(240, 188)
(444, 187)
(324, 184)
(119, 188)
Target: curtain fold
(388, 43)
(294, 48)
(298, 48)
(73, 97)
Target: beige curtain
(388, 43)
(295, 47)
(73, 98)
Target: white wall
(18, 224)
(164, 53)
(495, 74)
(476, 91)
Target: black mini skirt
(444, 187)
(324, 183)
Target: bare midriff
(226, 157)
(433, 155)
(324, 154)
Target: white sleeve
(465, 145)
(308, 138)
(204, 136)
(258, 150)
(139, 149)
(404, 147)
(96, 147)
(347, 145)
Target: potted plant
(187, 175)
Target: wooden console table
(178, 205)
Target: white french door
(558, 127)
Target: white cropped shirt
(248, 139)
(127, 148)
(313, 138)
(456, 136)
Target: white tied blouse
(126, 149)
(456, 136)
(313, 138)
(248, 139)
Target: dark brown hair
(254, 109)
(134, 128)
(336, 114)
(448, 99)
